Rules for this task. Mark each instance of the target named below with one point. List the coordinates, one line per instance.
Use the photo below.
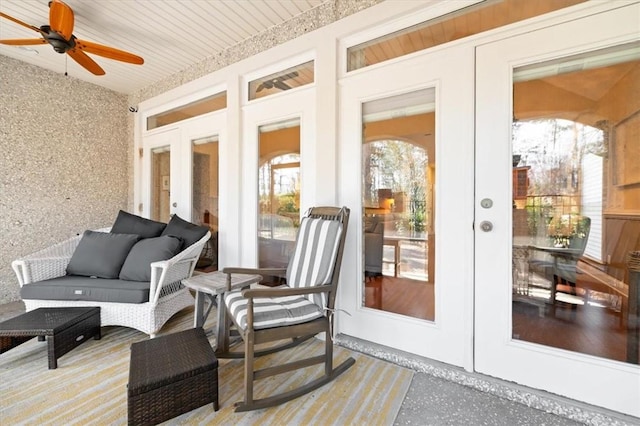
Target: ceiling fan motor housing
(58, 42)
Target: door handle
(486, 226)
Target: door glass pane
(278, 192)
(205, 195)
(160, 183)
(398, 163)
(576, 203)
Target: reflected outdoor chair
(293, 313)
(559, 264)
(373, 246)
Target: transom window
(297, 76)
(471, 20)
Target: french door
(180, 170)
(407, 173)
(160, 162)
(277, 156)
(556, 111)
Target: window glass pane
(398, 163)
(576, 203)
(297, 76)
(278, 192)
(474, 19)
(194, 109)
(205, 195)
(160, 183)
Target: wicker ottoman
(171, 375)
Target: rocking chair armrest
(281, 292)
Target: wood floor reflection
(401, 296)
(587, 329)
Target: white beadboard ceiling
(170, 35)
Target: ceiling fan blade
(292, 74)
(280, 85)
(23, 41)
(109, 52)
(61, 19)
(19, 22)
(83, 59)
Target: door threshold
(544, 401)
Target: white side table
(211, 286)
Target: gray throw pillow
(127, 223)
(188, 232)
(101, 254)
(137, 265)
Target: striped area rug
(89, 386)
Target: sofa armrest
(166, 275)
(50, 262)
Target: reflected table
(212, 286)
(394, 241)
(569, 254)
(520, 269)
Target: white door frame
(448, 338)
(610, 384)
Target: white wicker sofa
(166, 294)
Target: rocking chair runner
(293, 312)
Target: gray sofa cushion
(101, 254)
(72, 287)
(144, 252)
(127, 223)
(187, 231)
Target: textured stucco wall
(67, 146)
(63, 163)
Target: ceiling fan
(59, 34)
(277, 82)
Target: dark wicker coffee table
(64, 329)
(171, 375)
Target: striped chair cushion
(315, 255)
(271, 312)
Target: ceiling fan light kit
(59, 34)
